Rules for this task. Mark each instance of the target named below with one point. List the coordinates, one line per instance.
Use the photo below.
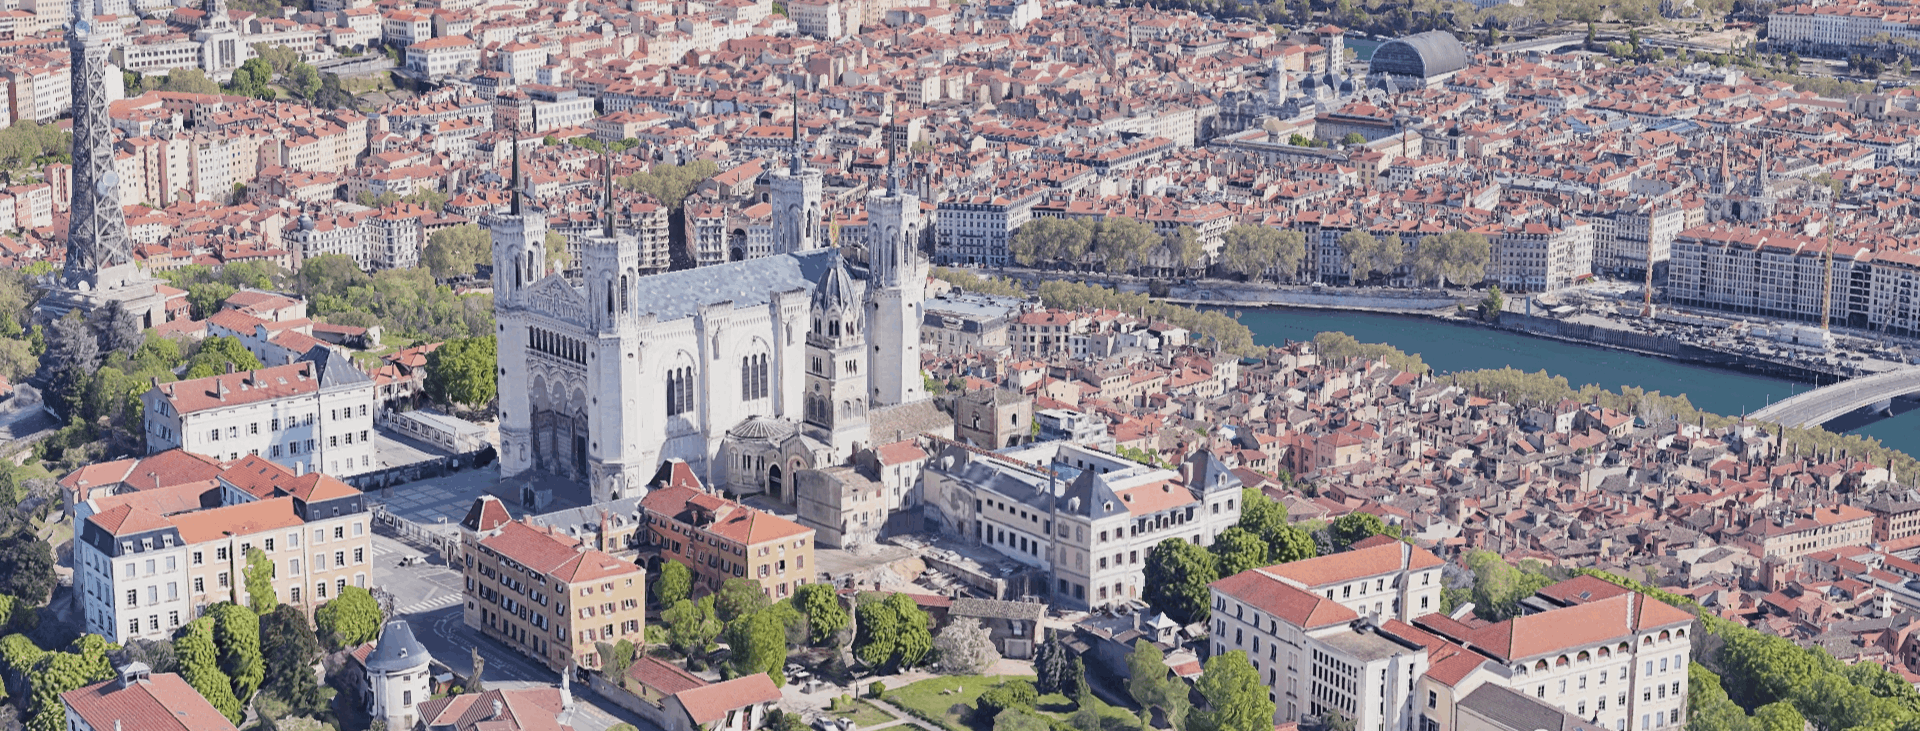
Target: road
(429, 597)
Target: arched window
(625, 306)
(1605, 653)
(1665, 635)
(1583, 656)
(1542, 665)
(1560, 661)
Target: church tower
(795, 195)
(836, 390)
(895, 294)
(519, 260)
(611, 266)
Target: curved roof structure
(1423, 55)
(398, 650)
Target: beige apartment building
(548, 595)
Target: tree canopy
(457, 250)
(350, 619)
(463, 371)
(1177, 575)
(671, 184)
(1253, 251)
(1235, 699)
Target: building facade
(551, 597)
(311, 416)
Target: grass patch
(864, 714)
(949, 702)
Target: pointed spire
(799, 161)
(514, 194)
(893, 170)
(606, 174)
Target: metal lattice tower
(97, 232)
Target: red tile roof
(161, 702)
(244, 387)
(1357, 563)
(1280, 599)
(711, 703)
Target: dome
(761, 428)
(398, 651)
(836, 289)
(1421, 55)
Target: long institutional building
(1841, 24)
(1783, 274)
(1359, 634)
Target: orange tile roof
(239, 520)
(1358, 563)
(1291, 604)
(162, 702)
(1154, 497)
(243, 387)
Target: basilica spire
(799, 160)
(606, 174)
(516, 190)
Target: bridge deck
(1827, 403)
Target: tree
(671, 184)
(1152, 684)
(204, 298)
(220, 354)
(1236, 550)
(1252, 250)
(200, 667)
(759, 643)
(1185, 248)
(557, 257)
(964, 647)
(1456, 256)
(236, 632)
(692, 627)
(73, 352)
(1177, 575)
(304, 81)
(1051, 666)
(1354, 138)
(1008, 695)
(259, 577)
(350, 620)
(463, 371)
(1122, 242)
(892, 632)
(1015, 719)
(826, 618)
(252, 79)
(1234, 698)
(1493, 304)
(674, 584)
(52, 673)
(1051, 239)
(117, 329)
(1368, 255)
(1498, 586)
(188, 81)
(1352, 527)
(1267, 518)
(26, 563)
(457, 251)
(289, 648)
(737, 598)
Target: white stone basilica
(749, 370)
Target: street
(429, 596)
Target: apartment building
(309, 416)
(442, 56)
(975, 229)
(550, 596)
(147, 562)
(1819, 529)
(1539, 256)
(1591, 650)
(1776, 274)
(721, 539)
(1086, 518)
(1837, 25)
(395, 237)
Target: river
(1453, 347)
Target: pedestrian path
(430, 604)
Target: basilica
(750, 371)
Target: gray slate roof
(679, 295)
(398, 650)
(1426, 55)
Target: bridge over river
(1827, 403)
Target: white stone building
(1086, 517)
(312, 416)
(604, 379)
(398, 679)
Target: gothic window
(679, 391)
(753, 377)
(624, 305)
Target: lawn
(949, 701)
(864, 714)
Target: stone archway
(774, 485)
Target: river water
(1452, 347)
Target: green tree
(825, 616)
(758, 642)
(1236, 550)
(892, 632)
(84, 662)
(259, 578)
(427, 198)
(188, 81)
(456, 251)
(1493, 304)
(26, 563)
(1008, 695)
(1368, 255)
(463, 371)
(558, 260)
(1051, 666)
(1253, 250)
(1051, 239)
(737, 598)
(252, 79)
(671, 184)
(1354, 138)
(350, 620)
(217, 354)
(1234, 697)
(200, 667)
(1184, 247)
(1153, 685)
(1015, 719)
(236, 632)
(675, 583)
(1457, 256)
(692, 627)
(1352, 527)
(1499, 586)
(1122, 243)
(1177, 575)
(204, 298)
(289, 648)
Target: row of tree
(1224, 333)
